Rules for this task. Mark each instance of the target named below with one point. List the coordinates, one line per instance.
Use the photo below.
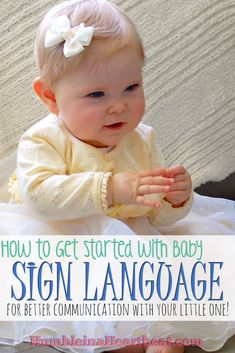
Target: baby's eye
(132, 87)
(96, 94)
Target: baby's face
(101, 104)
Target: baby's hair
(113, 31)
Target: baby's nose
(118, 107)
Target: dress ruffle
(207, 216)
(213, 335)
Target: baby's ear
(46, 95)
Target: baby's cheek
(139, 113)
(94, 116)
(140, 107)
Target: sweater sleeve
(166, 214)
(48, 188)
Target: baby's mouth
(115, 126)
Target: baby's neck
(106, 149)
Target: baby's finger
(178, 169)
(155, 172)
(141, 200)
(179, 186)
(182, 177)
(152, 189)
(177, 196)
(156, 180)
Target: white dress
(207, 216)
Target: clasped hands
(134, 188)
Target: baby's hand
(132, 188)
(180, 191)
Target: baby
(91, 156)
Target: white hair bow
(75, 38)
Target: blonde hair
(113, 31)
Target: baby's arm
(55, 192)
(47, 184)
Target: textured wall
(189, 77)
